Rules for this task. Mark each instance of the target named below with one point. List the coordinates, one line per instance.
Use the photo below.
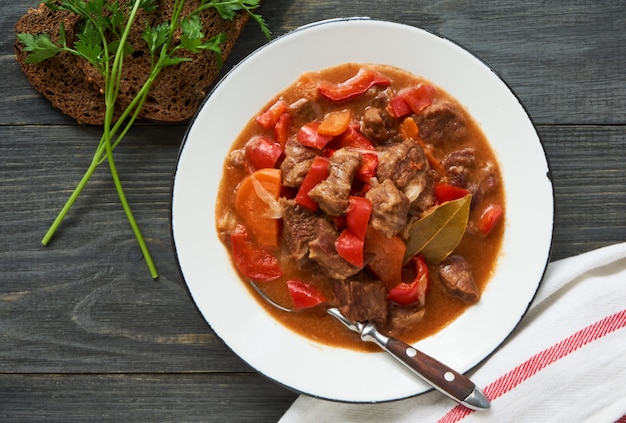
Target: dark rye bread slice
(76, 88)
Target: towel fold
(565, 362)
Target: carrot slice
(335, 123)
(387, 256)
(409, 129)
(256, 202)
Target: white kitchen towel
(565, 362)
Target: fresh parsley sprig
(228, 10)
(102, 40)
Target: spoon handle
(441, 377)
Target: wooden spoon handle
(441, 377)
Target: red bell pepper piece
(447, 192)
(419, 98)
(350, 247)
(309, 137)
(410, 293)
(353, 138)
(262, 152)
(489, 218)
(358, 215)
(329, 150)
(304, 295)
(353, 87)
(268, 118)
(253, 262)
(367, 168)
(281, 129)
(399, 107)
(316, 174)
(351, 240)
(386, 256)
(413, 100)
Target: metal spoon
(441, 377)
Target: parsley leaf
(214, 44)
(39, 46)
(155, 37)
(102, 40)
(228, 10)
(148, 5)
(192, 35)
(90, 52)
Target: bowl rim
(307, 27)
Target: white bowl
(277, 352)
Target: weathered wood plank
(566, 62)
(88, 294)
(588, 175)
(87, 335)
(141, 398)
(86, 302)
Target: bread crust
(73, 86)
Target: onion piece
(365, 151)
(413, 190)
(275, 209)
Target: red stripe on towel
(543, 359)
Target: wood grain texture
(72, 398)
(565, 61)
(87, 335)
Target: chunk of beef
(377, 125)
(458, 165)
(465, 170)
(488, 181)
(441, 122)
(237, 158)
(305, 110)
(362, 301)
(333, 193)
(405, 317)
(485, 181)
(389, 208)
(405, 163)
(457, 279)
(423, 190)
(465, 157)
(297, 162)
(299, 228)
(382, 97)
(458, 176)
(322, 249)
(402, 162)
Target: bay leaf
(439, 232)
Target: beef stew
(329, 184)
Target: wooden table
(87, 335)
